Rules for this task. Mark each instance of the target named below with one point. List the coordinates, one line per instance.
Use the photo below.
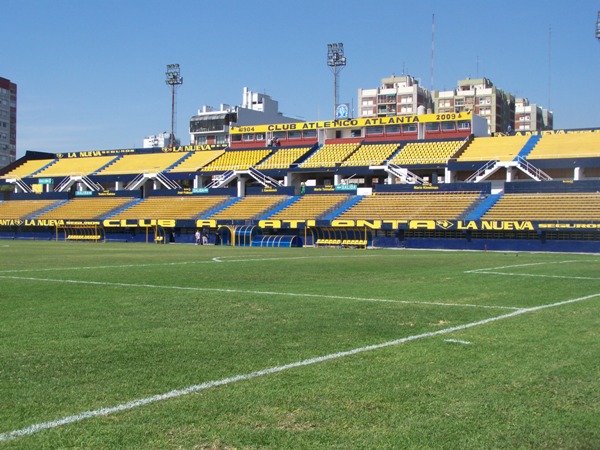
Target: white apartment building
(211, 126)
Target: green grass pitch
(183, 346)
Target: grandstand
(141, 163)
(431, 152)
(65, 167)
(27, 168)
(544, 206)
(499, 148)
(85, 208)
(326, 185)
(237, 160)
(371, 154)
(196, 161)
(170, 207)
(248, 207)
(283, 158)
(330, 155)
(421, 205)
(568, 145)
(22, 209)
(310, 207)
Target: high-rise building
(480, 96)
(395, 96)
(532, 117)
(8, 122)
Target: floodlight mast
(598, 27)
(174, 80)
(336, 61)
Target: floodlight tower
(598, 27)
(174, 79)
(336, 61)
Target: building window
(374, 130)
(309, 133)
(432, 126)
(392, 129)
(464, 125)
(448, 126)
(411, 128)
(294, 134)
(248, 137)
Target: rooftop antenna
(549, 64)
(432, 47)
(174, 79)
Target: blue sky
(91, 73)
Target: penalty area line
(260, 373)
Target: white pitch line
(457, 341)
(180, 263)
(10, 435)
(533, 275)
(244, 291)
(512, 266)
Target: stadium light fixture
(336, 61)
(598, 26)
(174, 79)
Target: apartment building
(8, 122)
(395, 96)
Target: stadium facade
(416, 181)
(8, 122)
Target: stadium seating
(142, 163)
(167, 207)
(23, 209)
(500, 148)
(437, 152)
(283, 158)
(74, 166)
(237, 160)
(27, 168)
(310, 206)
(330, 155)
(249, 207)
(569, 145)
(557, 206)
(438, 205)
(371, 155)
(196, 161)
(86, 208)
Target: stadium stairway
(343, 207)
(179, 161)
(124, 207)
(42, 168)
(106, 165)
(51, 207)
(483, 207)
(220, 207)
(280, 207)
(526, 150)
